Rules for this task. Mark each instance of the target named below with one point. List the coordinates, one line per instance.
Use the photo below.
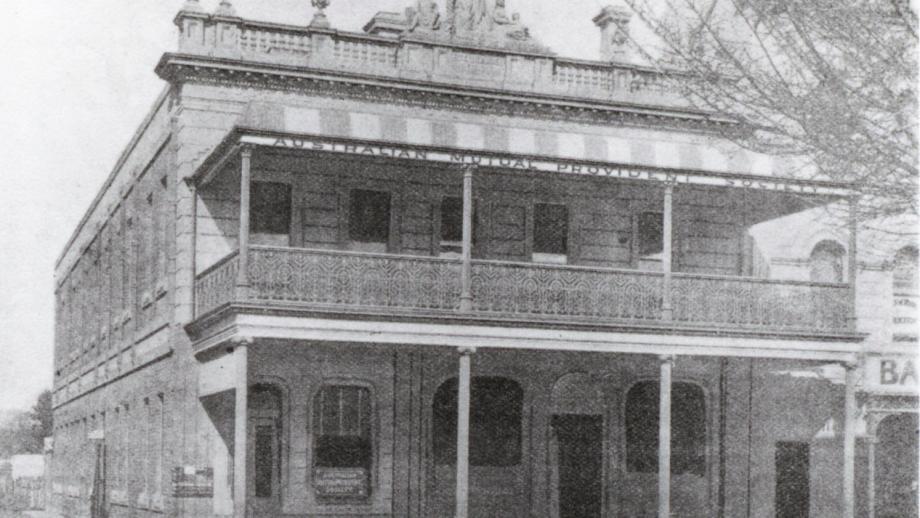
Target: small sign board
(891, 375)
(341, 482)
(191, 482)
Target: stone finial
(192, 6)
(613, 21)
(319, 18)
(225, 9)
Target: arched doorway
(896, 466)
(265, 410)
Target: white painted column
(463, 434)
(852, 260)
(870, 490)
(667, 226)
(664, 438)
(240, 427)
(466, 271)
(242, 274)
(849, 444)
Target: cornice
(180, 69)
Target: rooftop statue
(476, 22)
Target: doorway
(265, 450)
(792, 485)
(579, 454)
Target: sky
(78, 80)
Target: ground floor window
(496, 411)
(342, 444)
(688, 428)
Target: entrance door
(579, 447)
(792, 487)
(264, 450)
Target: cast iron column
(667, 311)
(466, 271)
(463, 434)
(240, 426)
(242, 273)
(849, 443)
(664, 438)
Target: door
(792, 486)
(579, 453)
(264, 456)
(264, 485)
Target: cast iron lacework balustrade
(332, 278)
(215, 286)
(759, 303)
(565, 292)
(351, 281)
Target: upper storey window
(905, 271)
(270, 218)
(650, 240)
(826, 262)
(369, 220)
(550, 233)
(452, 227)
(904, 290)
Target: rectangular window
(452, 227)
(550, 233)
(369, 220)
(343, 453)
(651, 235)
(270, 213)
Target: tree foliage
(830, 85)
(25, 432)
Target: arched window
(905, 271)
(826, 262)
(688, 428)
(342, 441)
(496, 410)
(896, 466)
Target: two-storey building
(886, 312)
(433, 269)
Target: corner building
(434, 270)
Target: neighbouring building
(432, 269)
(886, 308)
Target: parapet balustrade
(351, 282)
(437, 62)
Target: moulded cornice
(178, 69)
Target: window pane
(343, 435)
(369, 216)
(550, 229)
(650, 234)
(452, 219)
(496, 410)
(688, 429)
(270, 205)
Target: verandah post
(466, 270)
(849, 443)
(240, 428)
(242, 273)
(667, 311)
(852, 264)
(463, 433)
(664, 438)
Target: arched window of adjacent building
(342, 441)
(905, 271)
(688, 428)
(826, 262)
(496, 411)
(896, 465)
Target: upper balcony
(346, 234)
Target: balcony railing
(359, 282)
